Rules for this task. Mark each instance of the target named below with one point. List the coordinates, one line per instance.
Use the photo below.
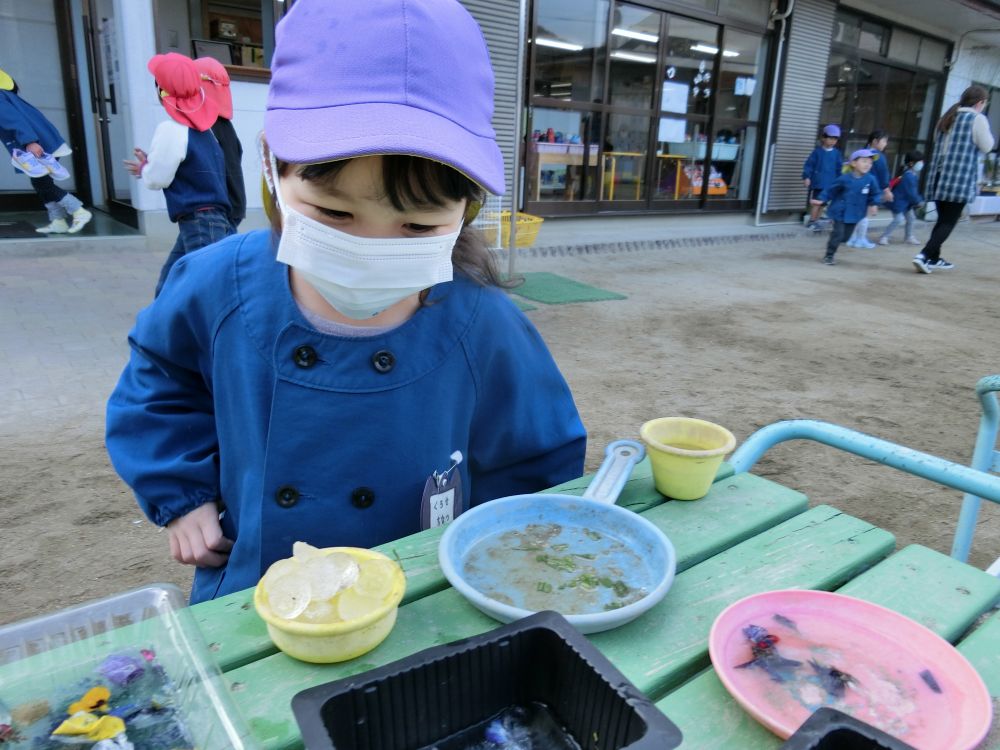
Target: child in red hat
(215, 81)
(185, 160)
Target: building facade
(602, 106)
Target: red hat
(215, 79)
(181, 91)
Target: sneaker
(941, 265)
(883, 241)
(57, 170)
(850, 243)
(913, 241)
(921, 264)
(813, 226)
(864, 244)
(56, 226)
(80, 218)
(829, 260)
(28, 163)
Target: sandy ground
(741, 334)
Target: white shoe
(883, 241)
(851, 243)
(913, 241)
(80, 218)
(56, 226)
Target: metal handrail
(983, 459)
(975, 482)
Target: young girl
(314, 383)
(852, 197)
(185, 160)
(906, 197)
(877, 142)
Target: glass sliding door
(635, 108)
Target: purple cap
(864, 152)
(832, 130)
(371, 77)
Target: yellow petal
(106, 728)
(77, 724)
(94, 699)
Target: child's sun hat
(183, 96)
(215, 81)
(833, 131)
(383, 77)
(862, 152)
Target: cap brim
(306, 136)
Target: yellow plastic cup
(685, 454)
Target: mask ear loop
(269, 170)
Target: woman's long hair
(970, 98)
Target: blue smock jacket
(21, 124)
(906, 194)
(230, 394)
(822, 167)
(880, 170)
(851, 196)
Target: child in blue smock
(852, 196)
(820, 170)
(905, 197)
(310, 380)
(877, 142)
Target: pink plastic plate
(783, 654)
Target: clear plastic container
(53, 660)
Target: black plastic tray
(830, 729)
(431, 695)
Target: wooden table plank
(819, 549)
(982, 648)
(237, 636)
(672, 636)
(929, 587)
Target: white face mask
(918, 166)
(359, 276)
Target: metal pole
(518, 137)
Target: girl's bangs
(407, 181)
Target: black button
(305, 356)
(383, 360)
(363, 497)
(287, 496)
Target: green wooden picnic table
(746, 536)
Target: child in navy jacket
(878, 140)
(906, 197)
(821, 169)
(852, 197)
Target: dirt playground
(741, 334)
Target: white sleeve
(981, 134)
(166, 152)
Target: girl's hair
(970, 97)
(875, 135)
(909, 159)
(414, 182)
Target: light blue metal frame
(984, 458)
(973, 481)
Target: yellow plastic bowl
(685, 454)
(338, 641)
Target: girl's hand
(196, 538)
(36, 149)
(807, 182)
(886, 195)
(873, 211)
(816, 202)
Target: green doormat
(558, 290)
(522, 305)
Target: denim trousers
(909, 217)
(196, 230)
